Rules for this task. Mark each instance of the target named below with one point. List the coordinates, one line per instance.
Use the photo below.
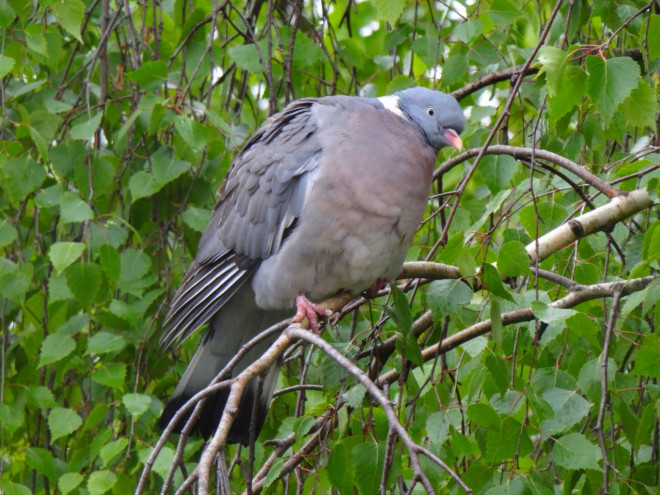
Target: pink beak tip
(454, 139)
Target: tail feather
(235, 324)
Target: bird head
(438, 115)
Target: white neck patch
(391, 103)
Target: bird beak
(452, 136)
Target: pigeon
(324, 197)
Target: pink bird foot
(312, 311)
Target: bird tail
(238, 321)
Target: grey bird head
(437, 114)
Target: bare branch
(585, 293)
(533, 154)
(602, 218)
(493, 78)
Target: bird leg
(312, 311)
(375, 288)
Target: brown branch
(493, 78)
(585, 293)
(604, 391)
(521, 153)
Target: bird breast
(365, 203)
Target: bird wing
(260, 202)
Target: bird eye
(430, 111)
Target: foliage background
(119, 121)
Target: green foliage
(117, 129)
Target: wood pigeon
(326, 196)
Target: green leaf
(70, 15)
(493, 282)
(191, 131)
(437, 427)
(390, 10)
(105, 343)
(513, 260)
(63, 254)
(22, 176)
(548, 314)
(165, 170)
(134, 270)
(110, 375)
(6, 64)
(444, 297)
(306, 53)
(641, 108)
(110, 262)
(647, 362)
(69, 482)
(407, 345)
(569, 409)
(554, 62)
(10, 488)
(354, 396)
(151, 75)
(35, 39)
(456, 254)
(468, 30)
(503, 13)
(574, 451)
(340, 469)
(55, 347)
(611, 82)
(7, 15)
(73, 209)
(84, 280)
(302, 425)
(15, 280)
(550, 214)
(62, 422)
(112, 450)
(247, 58)
(100, 482)
(137, 404)
(273, 473)
(497, 171)
(196, 218)
(400, 310)
(42, 461)
(572, 87)
(507, 441)
(8, 233)
(368, 462)
(455, 67)
(84, 129)
(498, 372)
(41, 397)
(653, 40)
(12, 417)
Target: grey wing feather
(263, 196)
(268, 183)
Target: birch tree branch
(602, 218)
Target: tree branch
(521, 153)
(602, 218)
(584, 293)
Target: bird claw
(375, 288)
(311, 311)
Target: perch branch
(581, 294)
